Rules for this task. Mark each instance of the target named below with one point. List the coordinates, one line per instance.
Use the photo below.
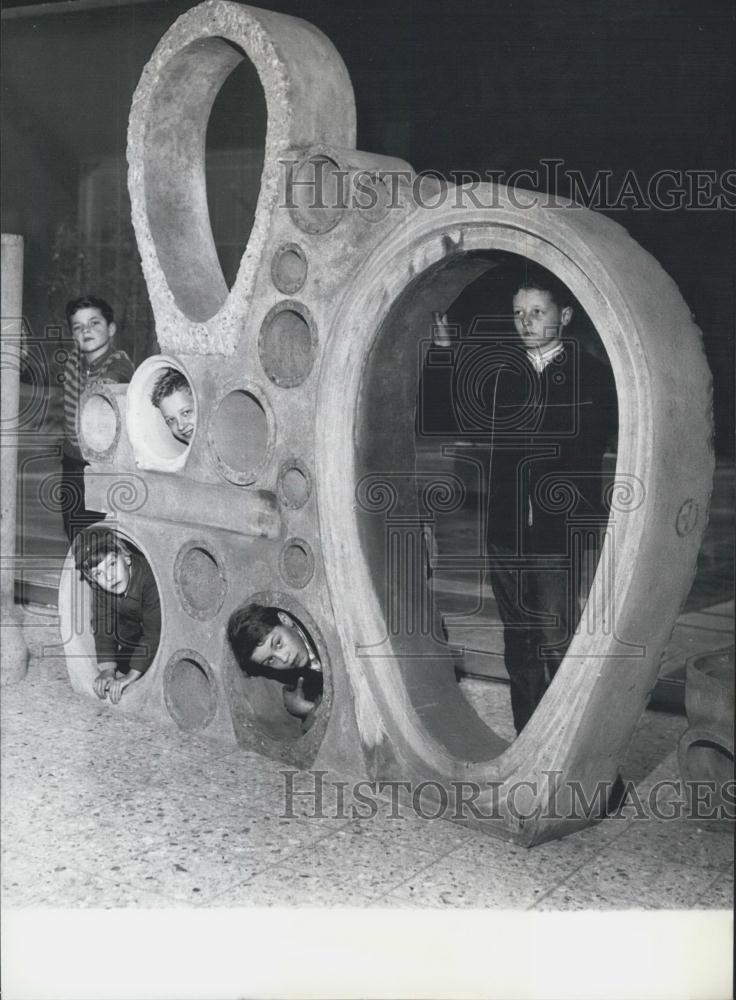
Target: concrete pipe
(705, 751)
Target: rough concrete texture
(300, 477)
(309, 100)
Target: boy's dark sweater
(127, 627)
(549, 433)
(113, 367)
(311, 679)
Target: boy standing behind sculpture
(92, 361)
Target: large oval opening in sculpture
(174, 178)
(236, 136)
(411, 482)
(529, 454)
(585, 720)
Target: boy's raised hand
(294, 701)
(440, 330)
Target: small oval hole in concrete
(189, 691)
(200, 581)
(240, 435)
(289, 268)
(98, 422)
(287, 346)
(318, 195)
(295, 485)
(297, 562)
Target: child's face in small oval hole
(112, 573)
(177, 410)
(283, 648)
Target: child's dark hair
(170, 380)
(533, 276)
(247, 628)
(92, 545)
(89, 302)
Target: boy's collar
(540, 357)
(131, 574)
(314, 661)
(91, 365)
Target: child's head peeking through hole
(268, 642)
(103, 559)
(173, 396)
(126, 610)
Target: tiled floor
(100, 809)
(113, 820)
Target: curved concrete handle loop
(309, 99)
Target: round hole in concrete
(406, 427)
(76, 602)
(239, 436)
(289, 268)
(318, 194)
(287, 344)
(199, 580)
(201, 171)
(189, 690)
(294, 484)
(297, 562)
(372, 196)
(99, 423)
(262, 707)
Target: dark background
(452, 86)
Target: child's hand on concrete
(295, 703)
(104, 679)
(117, 687)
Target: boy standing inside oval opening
(550, 409)
(554, 409)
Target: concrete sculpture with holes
(298, 487)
